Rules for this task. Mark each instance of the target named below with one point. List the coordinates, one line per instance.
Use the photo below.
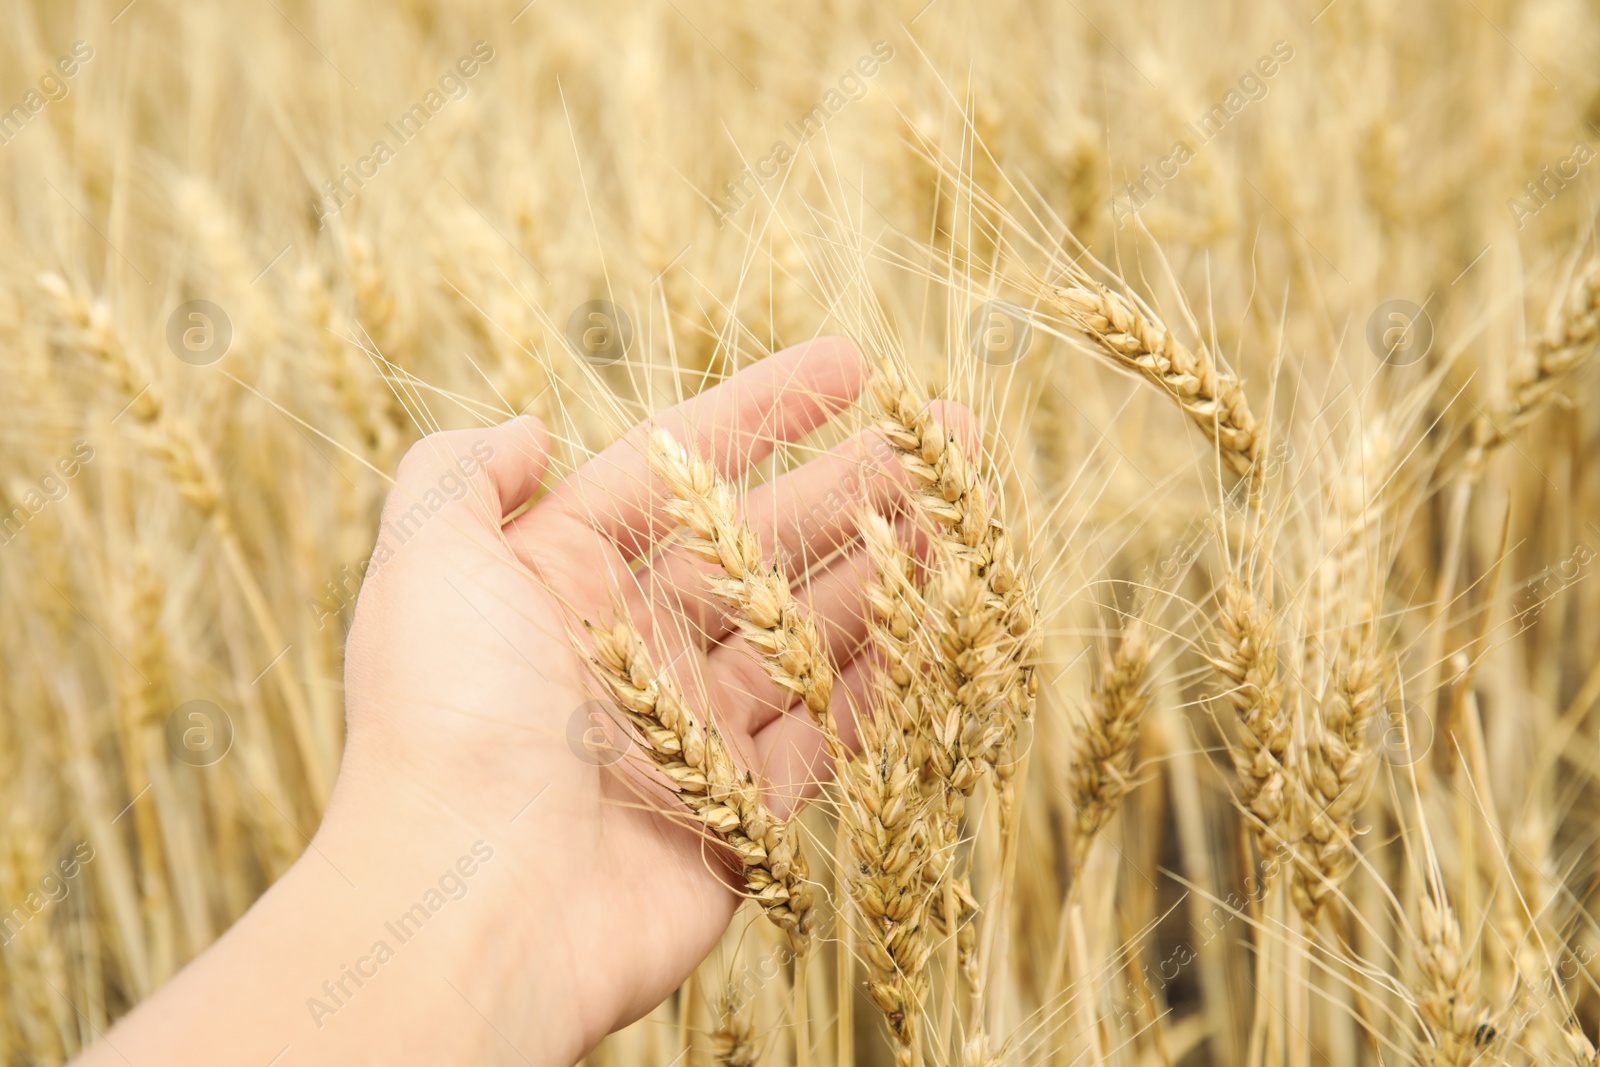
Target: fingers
(812, 511)
(789, 755)
(470, 477)
(778, 399)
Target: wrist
(453, 910)
(442, 923)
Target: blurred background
(253, 250)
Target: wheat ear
(983, 622)
(887, 814)
(1212, 398)
(769, 618)
(1548, 363)
(86, 326)
(1448, 1001)
(980, 594)
(365, 399)
(1247, 660)
(733, 1041)
(1103, 749)
(1339, 761)
(699, 768)
(899, 615)
(891, 839)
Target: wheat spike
(979, 592)
(1214, 399)
(891, 839)
(1103, 747)
(733, 1041)
(700, 769)
(86, 326)
(1247, 660)
(1548, 363)
(892, 823)
(1339, 761)
(1448, 1001)
(769, 618)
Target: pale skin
(461, 682)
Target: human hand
(462, 677)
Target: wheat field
(1239, 708)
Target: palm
(481, 695)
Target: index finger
(777, 399)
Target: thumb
(481, 474)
